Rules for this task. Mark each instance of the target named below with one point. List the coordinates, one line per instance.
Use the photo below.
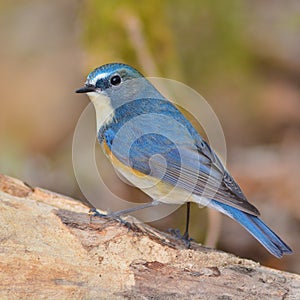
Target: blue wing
(153, 137)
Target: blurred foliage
(209, 38)
(106, 36)
(197, 35)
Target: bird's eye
(115, 80)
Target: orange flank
(154, 187)
(118, 164)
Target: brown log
(50, 248)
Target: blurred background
(242, 56)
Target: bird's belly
(154, 187)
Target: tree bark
(51, 248)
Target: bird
(156, 148)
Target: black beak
(86, 89)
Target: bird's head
(118, 82)
(113, 85)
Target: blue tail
(257, 228)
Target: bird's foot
(93, 212)
(111, 216)
(183, 237)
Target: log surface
(50, 248)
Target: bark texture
(50, 248)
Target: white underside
(161, 191)
(103, 108)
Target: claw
(94, 213)
(184, 238)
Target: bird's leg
(93, 211)
(117, 215)
(186, 233)
(185, 237)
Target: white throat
(103, 107)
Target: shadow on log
(50, 248)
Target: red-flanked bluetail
(152, 144)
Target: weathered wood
(49, 248)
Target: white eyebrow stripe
(96, 78)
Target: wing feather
(169, 148)
(197, 170)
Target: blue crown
(112, 68)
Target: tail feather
(272, 242)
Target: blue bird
(156, 148)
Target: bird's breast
(103, 107)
